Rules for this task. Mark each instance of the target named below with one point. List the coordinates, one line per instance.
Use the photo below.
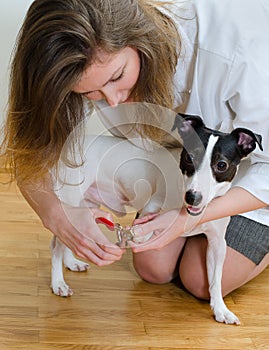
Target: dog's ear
(185, 123)
(247, 140)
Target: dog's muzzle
(194, 211)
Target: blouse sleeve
(248, 99)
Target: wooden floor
(111, 308)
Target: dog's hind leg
(73, 263)
(58, 284)
(216, 252)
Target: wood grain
(111, 308)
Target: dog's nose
(193, 198)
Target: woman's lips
(128, 100)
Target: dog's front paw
(227, 317)
(142, 239)
(61, 289)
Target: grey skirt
(248, 237)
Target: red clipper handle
(106, 222)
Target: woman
(172, 54)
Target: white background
(12, 13)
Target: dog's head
(210, 159)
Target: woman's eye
(222, 166)
(119, 77)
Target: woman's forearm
(172, 224)
(42, 199)
(236, 201)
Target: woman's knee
(153, 276)
(159, 266)
(150, 273)
(192, 268)
(155, 267)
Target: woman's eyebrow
(111, 77)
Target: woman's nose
(113, 97)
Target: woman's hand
(76, 227)
(166, 227)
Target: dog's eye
(189, 157)
(222, 166)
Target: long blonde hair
(57, 42)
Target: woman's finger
(95, 253)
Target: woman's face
(112, 77)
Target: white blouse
(228, 77)
(223, 76)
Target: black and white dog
(208, 162)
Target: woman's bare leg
(237, 269)
(159, 266)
